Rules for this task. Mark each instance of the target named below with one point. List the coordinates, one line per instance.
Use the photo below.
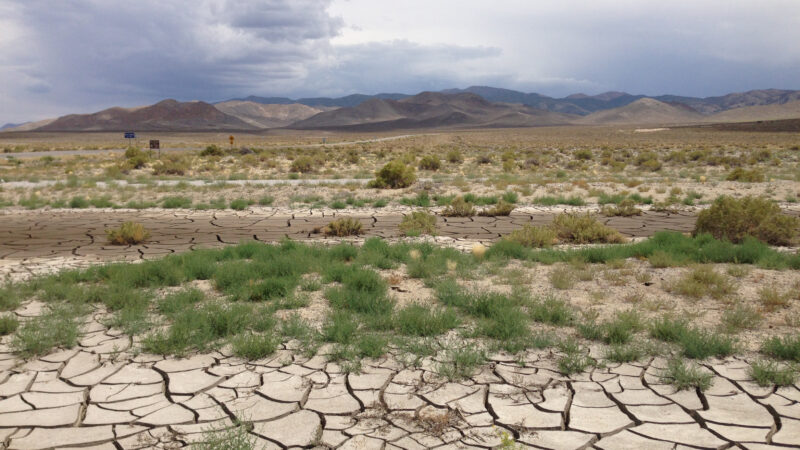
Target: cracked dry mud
(104, 395)
(42, 241)
(101, 395)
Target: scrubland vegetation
(569, 285)
(620, 169)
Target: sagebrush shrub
(394, 175)
(130, 233)
(459, 208)
(584, 229)
(303, 164)
(502, 208)
(346, 226)
(418, 222)
(430, 162)
(533, 236)
(212, 150)
(735, 219)
(747, 176)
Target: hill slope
(267, 115)
(431, 110)
(783, 111)
(167, 115)
(641, 112)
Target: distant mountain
(350, 100)
(267, 115)
(11, 125)
(580, 104)
(167, 115)
(431, 110)
(711, 105)
(641, 112)
(478, 106)
(790, 110)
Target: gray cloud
(84, 55)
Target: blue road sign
(130, 135)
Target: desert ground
(554, 287)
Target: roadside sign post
(130, 135)
(230, 138)
(155, 144)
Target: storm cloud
(83, 55)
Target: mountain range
(476, 106)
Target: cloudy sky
(62, 56)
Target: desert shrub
(303, 164)
(454, 156)
(648, 161)
(346, 226)
(748, 176)
(240, 204)
(502, 208)
(430, 162)
(583, 154)
(734, 219)
(583, 229)
(212, 150)
(394, 175)
(418, 222)
(173, 165)
(533, 236)
(625, 208)
(79, 202)
(135, 158)
(459, 208)
(130, 233)
(484, 159)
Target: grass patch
(703, 281)
(176, 202)
(254, 346)
(8, 324)
(56, 328)
(740, 317)
(770, 373)
(684, 376)
(682, 250)
(553, 201)
(420, 320)
(786, 348)
(459, 363)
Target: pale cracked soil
(101, 395)
(33, 242)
